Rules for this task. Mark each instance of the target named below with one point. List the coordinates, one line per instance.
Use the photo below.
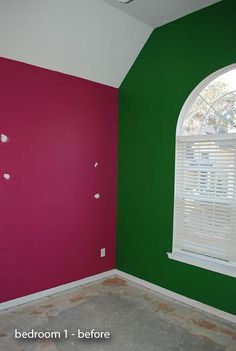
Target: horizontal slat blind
(205, 196)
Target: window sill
(210, 264)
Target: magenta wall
(52, 227)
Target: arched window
(205, 176)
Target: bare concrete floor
(137, 318)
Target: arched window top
(211, 107)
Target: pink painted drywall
(52, 228)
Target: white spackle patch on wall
(6, 176)
(96, 164)
(97, 196)
(4, 138)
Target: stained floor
(137, 318)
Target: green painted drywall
(175, 59)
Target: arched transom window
(205, 176)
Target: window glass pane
(214, 109)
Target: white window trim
(209, 263)
(212, 264)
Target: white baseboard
(57, 289)
(193, 303)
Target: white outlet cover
(103, 252)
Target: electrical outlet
(103, 252)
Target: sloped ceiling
(84, 38)
(159, 12)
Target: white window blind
(205, 196)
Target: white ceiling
(155, 13)
(85, 38)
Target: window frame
(209, 263)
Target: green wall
(174, 60)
